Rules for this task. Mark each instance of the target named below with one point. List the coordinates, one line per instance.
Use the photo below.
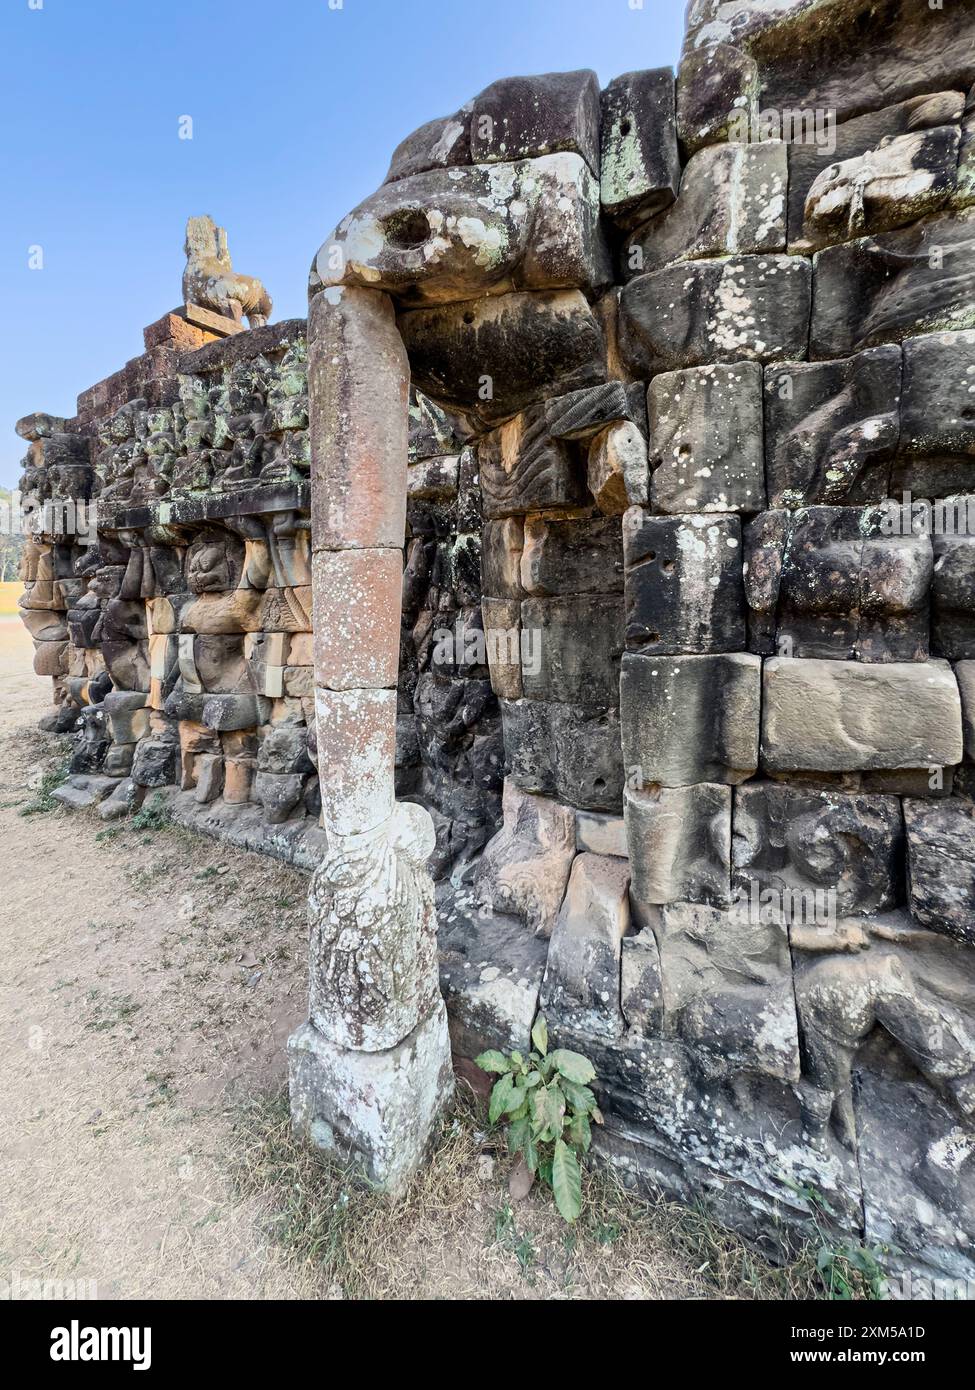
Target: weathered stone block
(941, 865)
(688, 719)
(965, 676)
(454, 233)
(816, 854)
(582, 414)
(357, 743)
(494, 357)
(752, 308)
(834, 716)
(502, 543)
(570, 751)
(572, 648)
(359, 439)
(525, 868)
(525, 117)
(706, 439)
(831, 428)
(640, 163)
(641, 988)
(572, 555)
(731, 202)
(502, 635)
(373, 1107)
(937, 446)
(848, 592)
(907, 177)
(490, 974)
(880, 289)
(443, 143)
(357, 646)
(600, 834)
(581, 988)
(953, 595)
(523, 469)
(618, 470)
(743, 1021)
(684, 590)
(852, 138)
(716, 84)
(680, 846)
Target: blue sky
(296, 106)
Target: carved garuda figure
(211, 281)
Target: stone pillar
(370, 1071)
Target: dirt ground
(149, 979)
(148, 982)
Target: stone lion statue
(211, 281)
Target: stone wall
(177, 626)
(678, 350)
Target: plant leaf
(493, 1061)
(579, 1133)
(502, 1097)
(573, 1066)
(540, 1034)
(530, 1152)
(519, 1132)
(566, 1181)
(581, 1099)
(548, 1105)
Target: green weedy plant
(549, 1109)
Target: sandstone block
(525, 117)
(640, 163)
(569, 751)
(706, 439)
(377, 1108)
(688, 719)
(357, 744)
(883, 288)
(831, 428)
(731, 202)
(641, 988)
(680, 846)
(451, 234)
(745, 1022)
(572, 648)
(716, 83)
(600, 834)
(581, 988)
(618, 469)
(525, 868)
(843, 715)
(684, 589)
(753, 308)
(572, 555)
(817, 854)
(941, 865)
(502, 634)
(359, 438)
(496, 356)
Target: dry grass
(457, 1235)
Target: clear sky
(296, 107)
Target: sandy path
(147, 983)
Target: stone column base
(376, 1108)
